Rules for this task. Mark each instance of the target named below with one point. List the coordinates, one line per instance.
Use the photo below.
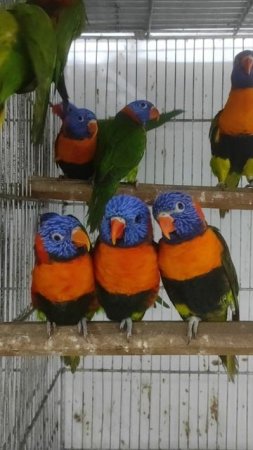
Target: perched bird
(121, 145)
(27, 58)
(231, 132)
(195, 265)
(76, 143)
(68, 18)
(125, 261)
(63, 285)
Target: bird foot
(250, 184)
(193, 323)
(129, 325)
(51, 326)
(82, 327)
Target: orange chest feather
(64, 281)
(126, 270)
(237, 115)
(191, 258)
(77, 151)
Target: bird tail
(1, 114)
(230, 364)
(72, 362)
(101, 194)
(232, 181)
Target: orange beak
(117, 228)
(154, 113)
(247, 64)
(93, 127)
(80, 238)
(166, 224)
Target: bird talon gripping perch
(193, 323)
(129, 325)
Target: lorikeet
(231, 132)
(121, 145)
(27, 58)
(125, 261)
(195, 265)
(68, 18)
(63, 285)
(76, 143)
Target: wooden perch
(149, 338)
(209, 197)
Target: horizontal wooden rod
(105, 338)
(209, 197)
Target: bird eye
(179, 207)
(80, 118)
(57, 237)
(143, 105)
(138, 219)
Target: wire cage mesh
(130, 402)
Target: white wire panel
(163, 402)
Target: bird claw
(51, 326)
(193, 323)
(129, 324)
(249, 185)
(82, 327)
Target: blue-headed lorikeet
(125, 261)
(63, 285)
(76, 143)
(195, 265)
(231, 132)
(121, 145)
(27, 58)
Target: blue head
(62, 238)
(242, 73)
(141, 111)
(77, 123)
(179, 217)
(126, 222)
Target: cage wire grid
(125, 402)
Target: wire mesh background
(124, 402)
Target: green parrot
(27, 58)
(121, 145)
(68, 18)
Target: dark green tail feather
(101, 194)
(72, 362)
(230, 364)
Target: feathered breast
(126, 270)
(191, 258)
(237, 116)
(76, 151)
(64, 281)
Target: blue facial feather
(136, 215)
(141, 109)
(239, 78)
(55, 231)
(188, 223)
(75, 121)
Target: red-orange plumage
(75, 151)
(237, 116)
(126, 270)
(63, 281)
(190, 258)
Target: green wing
(230, 272)
(69, 26)
(39, 38)
(121, 145)
(15, 71)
